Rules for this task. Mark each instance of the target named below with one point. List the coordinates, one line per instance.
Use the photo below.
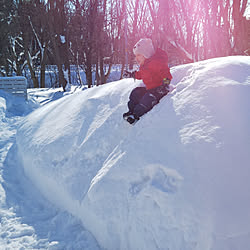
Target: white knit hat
(144, 47)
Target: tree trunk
(29, 62)
(32, 72)
(43, 57)
(62, 80)
(88, 69)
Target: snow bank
(178, 179)
(16, 106)
(28, 220)
(2, 105)
(10, 107)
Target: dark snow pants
(142, 100)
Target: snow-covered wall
(178, 179)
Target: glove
(166, 81)
(129, 74)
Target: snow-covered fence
(15, 85)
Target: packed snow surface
(177, 179)
(27, 219)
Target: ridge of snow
(178, 179)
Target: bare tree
(239, 26)
(30, 52)
(200, 29)
(11, 48)
(41, 35)
(57, 24)
(94, 34)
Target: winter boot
(132, 119)
(126, 115)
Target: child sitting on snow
(154, 72)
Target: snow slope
(28, 220)
(178, 179)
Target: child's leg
(135, 97)
(149, 100)
(146, 103)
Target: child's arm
(132, 74)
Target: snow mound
(14, 105)
(178, 179)
(10, 107)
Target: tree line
(95, 34)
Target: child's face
(140, 59)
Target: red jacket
(154, 70)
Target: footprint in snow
(136, 187)
(162, 178)
(166, 180)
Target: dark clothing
(142, 100)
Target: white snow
(63, 39)
(76, 176)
